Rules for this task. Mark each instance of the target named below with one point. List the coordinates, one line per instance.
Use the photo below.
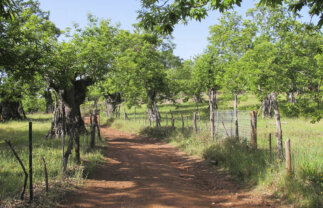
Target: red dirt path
(139, 172)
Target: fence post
(172, 119)
(92, 142)
(31, 196)
(182, 120)
(269, 141)
(135, 114)
(253, 121)
(166, 120)
(200, 121)
(288, 157)
(125, 114)
(187, 121)
(194, 122)
(46, 173)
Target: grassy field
(11, 174)
(257, 167)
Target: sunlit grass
(11, 174)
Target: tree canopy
(163, 15)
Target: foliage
(162, 16)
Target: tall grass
(11, 174)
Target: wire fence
(224, 121)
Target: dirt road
(142, 173)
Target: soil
(140, 172)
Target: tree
(74, 66)
(207, 71)
(183, 82)
(263, 69)
(25, 40)
(8, 8)
(164, 15)
(231, 38)
(141, 71)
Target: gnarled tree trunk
(72, 98)
(10, 110)
(49, 101)
(267, 106)
(113, 100)
(153, 113)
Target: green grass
(304, 188)
(11, 174)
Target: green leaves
(162, 16)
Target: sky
(190, 39)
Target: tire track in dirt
(140, 172)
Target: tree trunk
(211, 93)
(267, 107)
(236, 116)
(279, 134)
(21, 110)
(10, 110)
(72, 98)
(49, 101)
(291, 97)
(113, 100)
(56, 129)
(77, 148)
(153, 112)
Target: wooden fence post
(135, 114)
(253, 121)
(92, 127)
(200, 122)
(194, 122)
(182, 121)
(187, 121)
(269, 141)
(288, 157)
(22, 166)
(31, 191)
(125, 114)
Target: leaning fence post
(288, 157)
(22, 166)
(46, 173)
(253, 121)
(31, 195)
